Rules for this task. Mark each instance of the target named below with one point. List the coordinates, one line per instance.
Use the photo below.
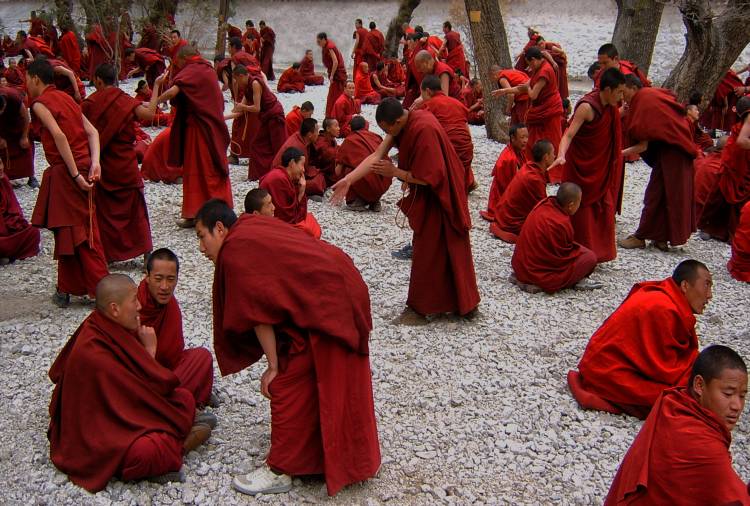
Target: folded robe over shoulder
(680, 456)
(506, 167)
(109, 392)
(356, 147)
(526, 190)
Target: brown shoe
(631, 242)
(661, 245)
(199, 434)
(186, 223)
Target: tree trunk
(713, 44)
(221, 32)
(490, 48)
(395, 32)
(63, 10)
(636, 29)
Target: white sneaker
(262, 481)
(588, 284)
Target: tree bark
(221, 32)
(713, 44)
(395, 32)
(63, 10)
(636, 29)
(490, 48)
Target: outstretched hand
(340, 189)
(559, 161)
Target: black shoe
(60, 299)
(213, 401)
(173, 477)
(316, 198)
(33, 182)
(403, 253)
(206, 418)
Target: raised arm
(72, 78)
(341, 188)
(169, 94)
(147, 113)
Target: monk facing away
(546, 256)
(293, 119)
(648, 344)
(113, 399)
(316, 343)
(681, 454)
(18, 239)
(507, 165)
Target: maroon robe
(99, 49)
(18, 239)
(155, 166)
(338, 80)
(271, 132)
(707, 171)
(739, 263)
(356, 147)
(307, 69)
(71, 51)
(268, 44)
(543, 115)
(151, 62)
(18, 162)
(324, 156)
(525, 191)
(343, 111)
(315, 180)
(506, 167)
(291, 81)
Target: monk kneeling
(316, 342)
(546, 256)
(648, 344)
(681, 455)
(160, 310)
(115, 410)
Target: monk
(721, 212)
(30, 46)
(702, 140)
(293, 120)
(681, 454)
(258, 98)
(304, 140)
(345, 108)
(363, 88)
(442, 276)
(739, 263)
(155, 166)
(382, 83)
(316, 356)
(267, 46)
(120, 200)
(516, 104)
(656, 124)
(534, 37)
(334, 63)
(609, 57)
(65, 204)
(359, 144)
(70, 50)
(258, 201)
(199, 136)
(98, 48)
(453, 50)
(591, 157)
(244, 126)
(326, 150)
(146, 61)
(554, 54)
(161, 311)
(375, 46)
(143, 93)
(66, 80)
(510, 161)
(16, 151)
(708, 169)
(176, 42)
(453, 115)
(291, 80)
(18, 239)
(307, 69)
(251, 38)
(472, 97)
(719, 114)
(648, 344)
(113, 398)
(427, 65)
(543, 115)
(361, 45)
(524, 192)
(233, 31)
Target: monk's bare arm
(537, 89)
(169, 94)
(267, 339)
(445, 83)
(72, 78)
(26, 122)
(743, 139)
(335, 65)
(61, 142)
(512, 90)
(583, 113)
(365, 166)
(93, 138)
(635, 149)
(147, 113)
(356, 43)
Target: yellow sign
(475, 16)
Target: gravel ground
(473, 412)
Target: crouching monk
(115, 411)
(681, 455)
(648, 344)
(316, 343)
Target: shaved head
(113, 288)
(423, 56)
(568, 193)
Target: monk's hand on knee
(265, 381)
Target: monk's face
(628, 93)
(364, 68)
(693, 113)
(241, 80)
(334, 129)
(126, 312)
(605, 62)
(698, 293)
(267, 208)
(308, 55)
(34, 85)
(296, 170)
(521, 139)
(534, 63)
(313, 136)
(612, 96)
(724, 395)
(162, 280)
(320, 42)
(209, 242)
(349, 90)
(572, 208)
(174, 38)
(306, 114)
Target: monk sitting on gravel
(293, 120)
(527, 188)
(315, 341)
(115, 411)
(291, 80)
(304, 139)
(510, 161)
(259, 201)
(286, 184)
(345, 107)
(160, 310)
(546, 256)
(648, 344)
(681, 454)
(739, 263)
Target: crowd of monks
(126, 370)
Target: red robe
(194, 367)
(99, 49)
(287, 207)
(654, 115)
(707, 172)
(323, 392)
(251, 40)
(648, 344)
(271, 132)
(523, 193)
(343, 111)
(151, 62)
(739, 263)
(363, 90)
(18, 239)
(71, 51)
(455, 57)
(594, 162)
(315, 180)
(558, 56)
(62, 83)
(543, 115)
(36, 46)
(307, 69)
(268, 44)
(293, 121)
(291, 81)
(18, 162)
(120, 200)
(719, 113)
(454, 87)
(155, 166)
(337, 82)
(245, 127)
(109, 392)
(324, 157)
(627, 68)
(363, 46)
(63, 207)
(521, 60)
(356, 147)
(506, 167)
(470, 97)
(233, 31)
(442, 270)
(520, 101)
(375, 47)
(385, 81)
(680, 456)
(199, 137)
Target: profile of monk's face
(698, 293)
(334, 129)
(693, 112)
(613, 96)
(308, 55)
(210, 241)
(296, 169)
(267, 208)
(174, 38)
(605, 62)
(364, 68)
(320, 42)
(161, 280)
(628, 93)
(534, 63)
(724, 395)
(349, 90)
(126, 312)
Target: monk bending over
(648, 344)
(18, 152)
(315, 341)
(546, 256)
(291, 80)
(114, 399)
(510, 161)
(473, 98)
(681, 454)
(293, 120)
(161, 311)
(304, 140)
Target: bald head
(569, 197)
(187, 51)
(116, 298)
(424, 61)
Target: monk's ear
(698, 385)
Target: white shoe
(262, 481)
(588, 284)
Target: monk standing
(334, 63)
(361, 43)
(65, 204)
(375, 46)
(70, 50)
(17, 151)
(681, 454)
(510, 161)
(427, 65)
(307, 69)
(318, 377)
(113, 398)
(648, 344)
(120, 201)
(591, 156)
(267, 46)
(517, 104)
(199, 136)
(345, 108)
(453, 50)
